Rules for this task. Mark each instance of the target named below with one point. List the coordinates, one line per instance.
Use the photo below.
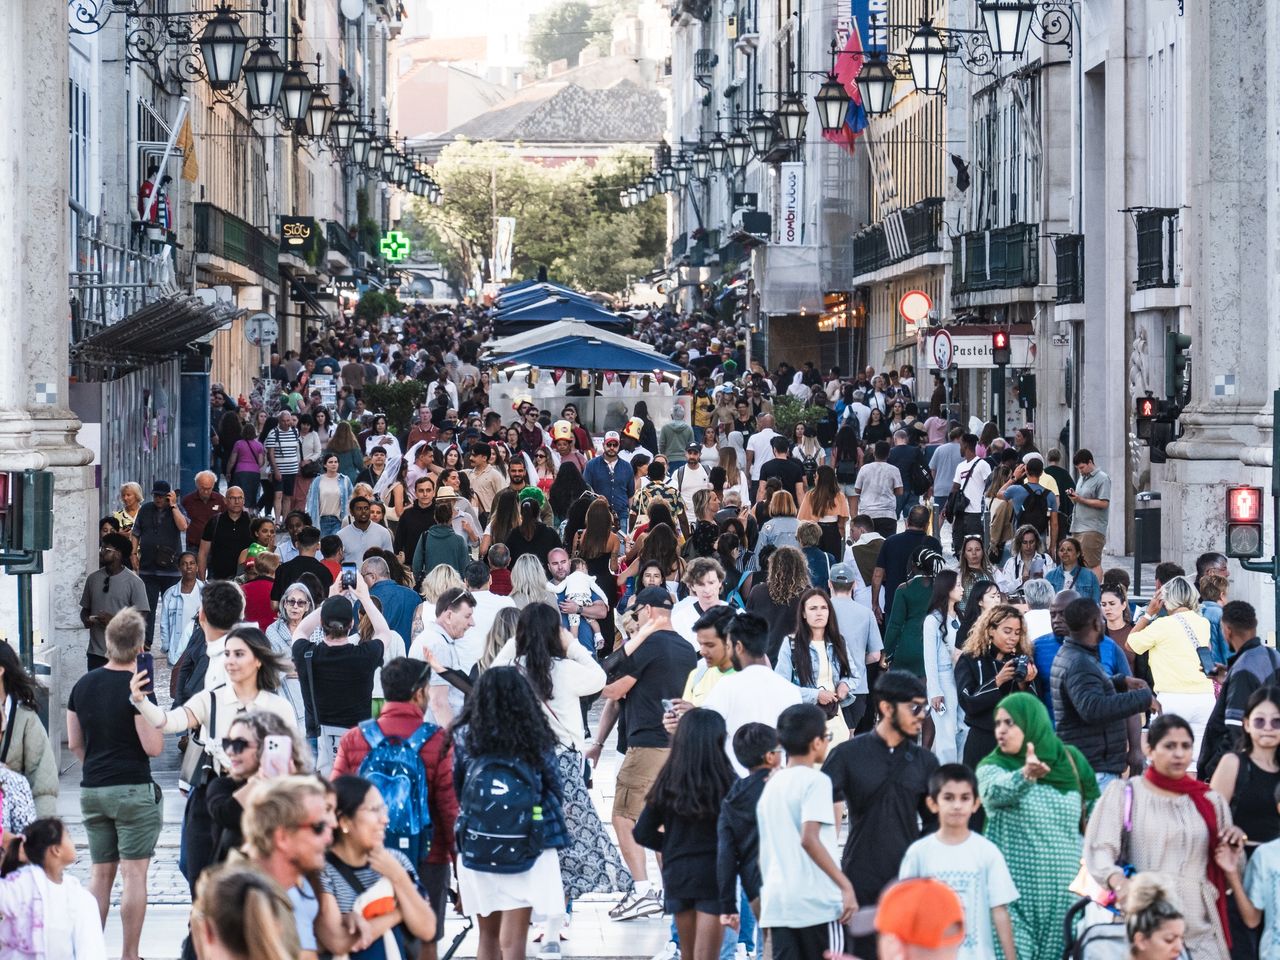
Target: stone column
(37, 429)
(1227, 236)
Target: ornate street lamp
(719, 152)
(701, 163)
(624, 198)
(792, 116)
(344, 125)
(739, 146)
(927, 55)
(319, 113)
(667, 177)
(388, 160)
(360, 143)
(295, 93)
(263, 75)
(682, 169)
(1008, 24)
(833, 105)
(223, 46)
(875, 86)
(373, 159)
(760, 129)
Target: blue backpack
(500, 823)
(394, 766)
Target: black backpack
(920, 476)
(1035, 510)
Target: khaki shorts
(1091, 544)
(123, 822)
(636, 775)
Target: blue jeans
(1105, 778)
(330, 525)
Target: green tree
(560, 33)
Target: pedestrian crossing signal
(1000, 353)
(1244, 522)
(1146, 409)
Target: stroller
(1102, 941)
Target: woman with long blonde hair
(998, 659)
(734, 477)
(439, 578)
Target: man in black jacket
(1091, 708)
(1251, 666)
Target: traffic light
(1000, 348)
(1177, 357)
(1145, 412)
(1244, 522)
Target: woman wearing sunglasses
(296, 603)
(1247, 780)
(253, 676)
(227, 794)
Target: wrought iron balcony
(704, 63)
(225, 235)
(1070, 258)
(1157, 247)
(116, 272)
(998, 259)
(903, 234)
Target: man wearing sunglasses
(612, 477)
(107, 591)
(883, 777)
(1252, 665)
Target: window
(1164, 119)
(1006, 153)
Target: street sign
(261, 328)
(943, 350)
(915, 306)
(394, 246)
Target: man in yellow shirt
(717, 657)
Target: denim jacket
(169, 623)
(810, 694)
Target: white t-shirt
(976, 871)
(486, 611)
(974, 473)
(685, 614)
(688, 481)
(758, 445)
(754, 694)
(461, 654)
(795, 892)
(874, 488)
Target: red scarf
(1198, 791)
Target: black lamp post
(719, 152)
(319, 112)
(760, 130)
(701, 163)
(833, 105)
(295, 93)
(875, 86)
(927, 55)
(223, 46)
(263, 74)
(739, 147)
(682, 169)
(344, 125)
(1008, 24)
(792, 116)
(360, 143)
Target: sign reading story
(297, 235)
(791, 208)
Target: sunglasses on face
(916, 709)
(234, 746)
(1265, 723)
(539, 456)
(295, 602)
(319, 829)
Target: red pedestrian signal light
(1000, 353)
(1145, 411)
(1244, 522)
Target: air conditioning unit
(364, 261)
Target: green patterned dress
(1037, 828)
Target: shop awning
(299, 292)
(558, 331)
(157, 331)
(589, 353)
(559, 308)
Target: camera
(1021, 663)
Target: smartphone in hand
(147, 664)
(276, 753)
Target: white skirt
(539, 887)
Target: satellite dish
(352, 9)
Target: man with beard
(883, 777)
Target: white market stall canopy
(557, 331)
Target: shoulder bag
(957, 503)
(1207, 666)
(197, 762)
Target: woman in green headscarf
(1036, 790)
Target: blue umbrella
(587, 353)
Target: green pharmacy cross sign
(394, 246)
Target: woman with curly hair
(562, 671)
(502, 735)
(679, 821)
(777, 598)
(997, 660)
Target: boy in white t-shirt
(804, 898)
(967, 862)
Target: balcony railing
(226, 235)
(913, 231)
(116, 272)
(341, 241)
(704, 62)
(1070, 258)
(997, 259)
(1157, 247)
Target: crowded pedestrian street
(640, 479)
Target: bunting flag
(187, 144)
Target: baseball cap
(921, 912)
(654, 597)
(691, 446)
(612, 435)
(161, 488)
(336, 614)
(841, 573)
(1032, 456)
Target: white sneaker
(549, 951)
(633, 906)
(669, 951)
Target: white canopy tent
(558, 330)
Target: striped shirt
(287, 446)
(331, 881)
